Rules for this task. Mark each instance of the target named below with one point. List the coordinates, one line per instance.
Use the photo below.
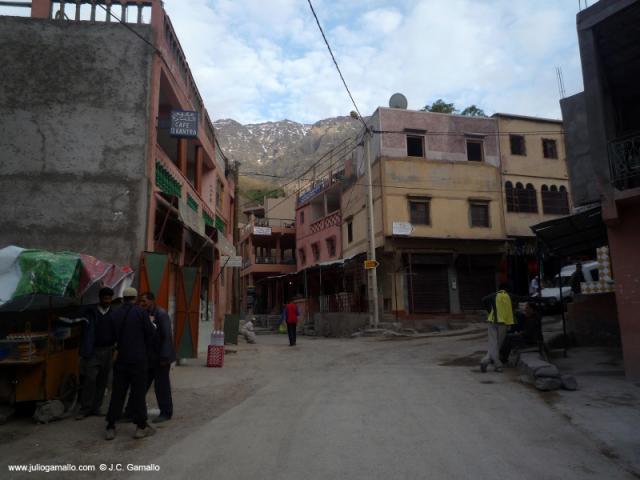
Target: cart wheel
(68, 392)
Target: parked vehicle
(551, 295)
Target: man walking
(291, 316)
(500, 318)
(162, 357)
(96, 354)
(134, 334)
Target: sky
(264, 60)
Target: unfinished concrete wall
(73, 137)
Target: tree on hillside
(473, 111)
(440, 106)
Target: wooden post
(199, 167)
(182, 155)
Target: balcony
(268, 226)
(332, 220)
(624, 162)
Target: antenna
(560, 78)
(398, 100)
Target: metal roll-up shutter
(474, 284)
(430, 289)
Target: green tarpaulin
(48, 273)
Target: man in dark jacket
(163, 356)
(96, 354)
(134, 333)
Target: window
(219, 193)
(555, 201)
(302, 257)
(521, 199)
(349, 232)
(549, 148)
(331, 246)
(419, 212)
(415, 146)
(315, 249)
(475, 150)
(302, 218)
(518, 146)
(479, 213)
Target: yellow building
(438, 208)
(535, 182)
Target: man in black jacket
(134, 333)
(96, 354)
(163, 356)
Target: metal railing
(336, 302)
(624, 162)
(129, 11)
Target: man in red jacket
(291, 316)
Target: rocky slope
(283, 147)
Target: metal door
(429, 289)
(187, 311)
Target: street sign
(233, 262)
(370, 264)
(184, 123)
(402, 228)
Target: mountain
(283, 147)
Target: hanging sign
(262, 230)
(233, 261)
(184, 123)
(402, 228)
(370, 264)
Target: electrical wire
(335, 62)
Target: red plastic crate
(215, 356)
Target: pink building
(319, 225)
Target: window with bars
(521, 199)
(549, 148)
(419, 211)
(315, 250)
(555, 201)
(331, 246)
(479, 213)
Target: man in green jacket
(500, 318)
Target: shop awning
(573, 234)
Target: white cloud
(257, 60)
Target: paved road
(347, 409)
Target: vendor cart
(41, 324)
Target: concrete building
(535, 182)
(87, 161)
(603, 148)
(267, 244)
(440, 173)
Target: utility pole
(372, 276)
(235, 289)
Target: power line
(335, 62)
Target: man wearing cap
(96, 354)
(134, 334)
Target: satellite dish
(398, 100)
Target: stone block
(547, 371)
(547, 384)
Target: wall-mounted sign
(402, 228)
(184, 123)
(224, 246)
(370, 264)
(233, 262)
(262, 230)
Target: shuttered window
(479, 214)
(419, 212)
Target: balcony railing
(332, 220)
(270, 260)
(128, 11)
(624, 162)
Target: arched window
(555, 201)
(511, 197)
(523, 200)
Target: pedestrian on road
(292, 312)
(96, 354)
(576, 279)
(134, 333)
(163, 355)
(500, 318)
(534, 286)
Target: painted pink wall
(305, 237)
